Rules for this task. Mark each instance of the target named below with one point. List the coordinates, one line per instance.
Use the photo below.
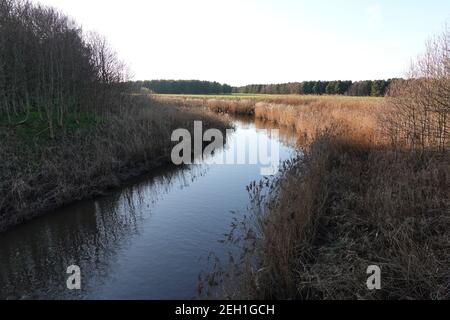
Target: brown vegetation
(350, 200)
(310, 116)
(227, 106)
(337, 210)
(69, 128)
(41, 174)
(420, 106)
(372, 187)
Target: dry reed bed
(131, 140)
(312, 116)
(345, 207)
(308, 115)
(352, 200)
(226, 106)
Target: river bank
(99, 153)
(147, 239)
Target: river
(149, 239)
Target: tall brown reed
(351, 200)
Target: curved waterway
(148, 240)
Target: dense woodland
(376, 88)
(183, 87)
(50, 67)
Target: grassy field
(265, 97)
(214, 96)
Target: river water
(148, 240)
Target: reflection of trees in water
(287, 135)
(34, 257)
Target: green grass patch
(33, 130)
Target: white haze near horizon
(250, 41)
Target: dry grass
(132, 139)
(350, 201)
(344, 207)
(312, 115)
(234, 106)
(240, 106)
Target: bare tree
(48, 65)
(421, 104)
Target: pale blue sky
(263, 41)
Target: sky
(260, 41)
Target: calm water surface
(148, 240)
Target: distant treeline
(183, 87)
(376, 88)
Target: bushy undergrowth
(38, 175)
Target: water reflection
(34, 257)
(287, 135)
(143, 241)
